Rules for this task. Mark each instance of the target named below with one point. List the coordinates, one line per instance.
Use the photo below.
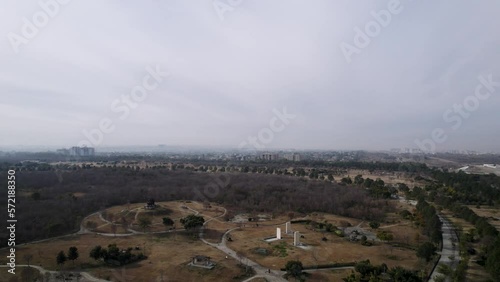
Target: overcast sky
(230, 66)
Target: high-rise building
(82, 151)
(269, 156)
(295, 157)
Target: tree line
(53, 202)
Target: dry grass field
(133, 212)
(387, 177)
(335, 249)
(493, 214)
(169, 253)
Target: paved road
(449, 249)
(261, 271)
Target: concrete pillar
(278, 233)
(288, 227)
(296, 238)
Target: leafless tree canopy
(58, 210)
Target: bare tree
(27, 258)
(113, 228)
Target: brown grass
(167, 253)
(165, 209)
(492, 214)
(336, 249)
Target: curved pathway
(87, 276)
(274, 276)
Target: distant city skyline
(328, 75)
(209, 149)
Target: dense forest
(52, 202)
(466, 188)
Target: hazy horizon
(208, 149)
(328, 75)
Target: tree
(192, 221)
(73, 254)
(405, 214)
(330, 177)
(363, 239)
(124, 223)
(294, 268)
(96, 252)
(440, 278)
(329, 227)
(364, 267)
(346, 180)
(358, 179)
(444, 269)
(399, 274)
(167, 221)
(113, 229)
(426, 251)
(206, 205)
(36, 196)
(374, 224)
(352, 278)
(91, 225)
(61, 258)
(385, 236)
(493, 260)
(27, 258)
(368, 182)
(144, 223)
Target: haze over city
(250, 141)
(231, 70)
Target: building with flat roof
(269, 156)
(295, 157)
(82, 151)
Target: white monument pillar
(296, 238)
(278, 233)
(288, 227)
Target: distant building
(295, 157)
(63, 151)
(81, 151)
(269, 156)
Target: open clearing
(168, 255)
(170, 251)
(492, 214)
(249, 242)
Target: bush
(385, 236)
(426, 251)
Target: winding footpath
(273, 276)
(86, 276)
